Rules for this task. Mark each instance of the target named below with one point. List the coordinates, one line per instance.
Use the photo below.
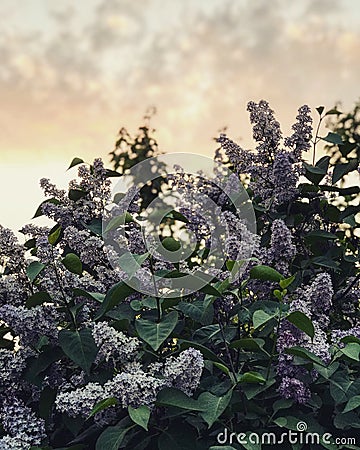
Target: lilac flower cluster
(282, 250)
(134, 386)
(31, 324)
(338, 335)
(314, 301)
(113, 345)
(93, 190)
(274, 172)
(20, 423)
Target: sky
(73, 73)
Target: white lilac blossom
(13, 290)
(134, 388)
(240, 242)
(12, 365)
(31, 324)
(309, 301)
(114, 345)
(184, 372)
(89, 248)
(282, 250)
(319, 295)
(12, 254)
(19, 421)
(337, 335)
(96, 188)
(266, 129)
(81, 401)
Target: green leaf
(260, 318)
(265, 273)
(314, 236)
(95, 225)
(175, 215)
(176, 398)
(333, 138)
(198, 311)
(111, 438)
(252, 344)
(251, 377)
(341, 170)
(175, 437)
(314, 173)
(213, 406)
(351, 350)
(72, 263)
(301, 321)
(352, 404)
(38, 299)
(79, 346)
(287, 282)
(130, 263)
(320, 109)
(333, 111)
(34, 269)
(54, 235)
(90, 295)
(155, 333)
(77, 194)
(117, 221)
(171, 244)
(324, 261)
(46, 401)
(75, 162)
(222, 447)
(341, 388)
(140, 415)
(305, 354)
(103, 404)
(115, 295)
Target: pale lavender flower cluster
(12, 254)
(311, 301)
(274, 172)
(294, 389)
(21, 425)
(299, 141)
(114, 345)
(337, 335)
(12, 365)
(134, 386)
(31, 324)
(80, 401)
(89, 248)
(93, 190)
(240, 241)
(184, 372)
(282, 250)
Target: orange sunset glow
(73, 73)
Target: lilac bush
(89, 359)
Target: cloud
(74, 83)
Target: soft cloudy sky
(72, 73)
